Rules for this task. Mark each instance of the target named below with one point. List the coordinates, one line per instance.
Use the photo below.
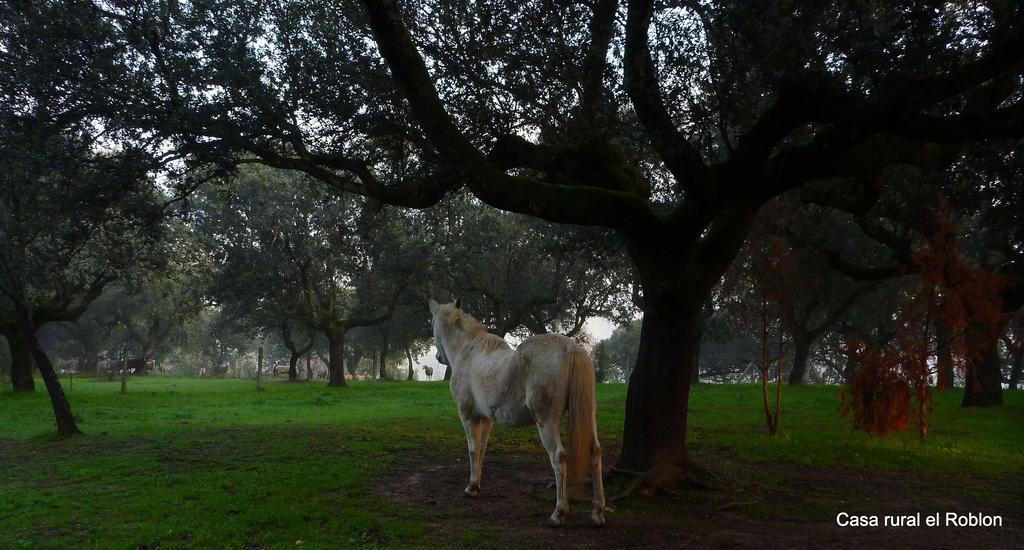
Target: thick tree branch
(813, 97)
(1007, 122)
(861, 273)
(641, 82)
(789, 111)
(583, 205)
(410, 75)
(723, 239)
(367, 320)
(63, 308)
(901, 246)
(838, 312)
(418, 193)
(602, 29)
(1005, 55)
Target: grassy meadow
(217, 463)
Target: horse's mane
(475, 330)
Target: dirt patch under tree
(781, 505)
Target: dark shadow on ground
(774, 505)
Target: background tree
(962, 298)
(156, 306)
(621, 349)
(72, 222)
(988, 195)
(333, 263)
(602, 362)
(297, 346)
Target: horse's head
(436, 311)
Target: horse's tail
(582, 413)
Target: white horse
(546, 376)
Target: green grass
(983, 441)
(216, 463)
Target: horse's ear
(432, 305)
(458, 303)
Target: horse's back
(514, 386)
(548, 351)
(546, 365)
(492, 386)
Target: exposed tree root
(671, 479)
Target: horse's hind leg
(482, 433)
(485, 434)
(595, 474)
(475, 428)
(556, 454)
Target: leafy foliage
(946, 290)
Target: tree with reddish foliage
(878, 397)
(968, 304)
(758, 294)
(947, 292)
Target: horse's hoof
(598, 518)
(554, 522)
(471, 492)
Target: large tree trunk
(801, 348)
(336, 358)
(383, 364)
(943, 357)
(674, 294)
(983, 381)
(66, 424)
(21, 363)
(659, 387)
(408, 355)
(293, 371)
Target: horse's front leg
(477, 430)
